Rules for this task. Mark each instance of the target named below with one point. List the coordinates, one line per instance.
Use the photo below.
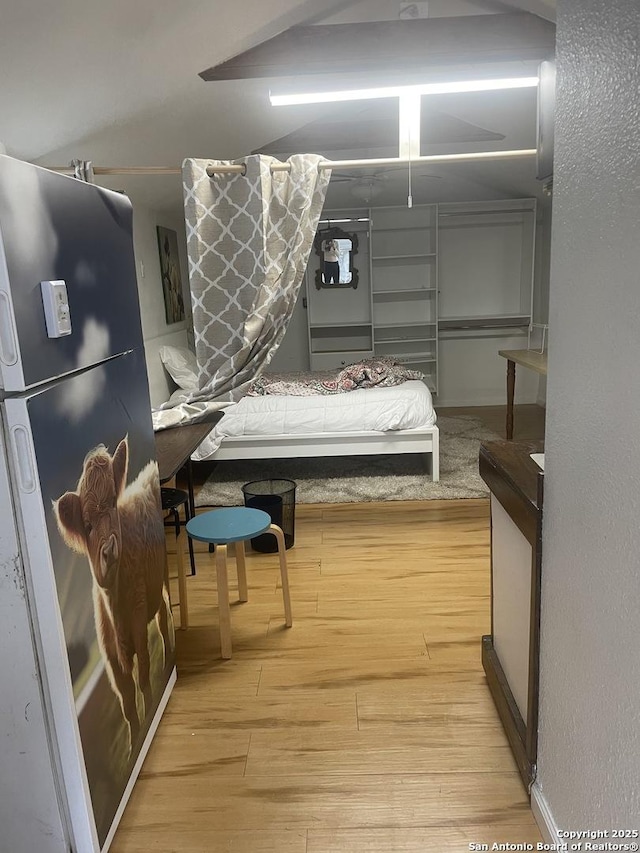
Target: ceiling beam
(392, 46)
(543, 8)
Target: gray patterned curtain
(248, 240)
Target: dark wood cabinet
(510, 654)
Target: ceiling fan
(368, 184)
(365, 185)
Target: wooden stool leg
(224, 612)
(282, 554)
(243, 592)
(182, 582)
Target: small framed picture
(170, 273)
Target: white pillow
(181, 365)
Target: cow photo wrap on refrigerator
(100, 493)
(80, 461)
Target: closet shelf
(404, 341)
(345, 350)
(484, 212)
(405, 291)
(404, 228)
(496, 321)
(365, 325)
(413, 357)
(410, 325)
(417, 257)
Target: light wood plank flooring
(368, 726)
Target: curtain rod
(239, 168)
(121, 170)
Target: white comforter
(405, 406)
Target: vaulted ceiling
(118, 83)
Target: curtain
(249, 238)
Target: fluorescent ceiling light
(399, 91)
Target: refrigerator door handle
(23, 454)
(8, 343)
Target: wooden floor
(367, 726)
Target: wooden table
(536, 361)
(174, 447)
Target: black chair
(172, 500)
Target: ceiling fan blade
(368, 174)
(365, 172)
(392, 169)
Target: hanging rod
(240, 168)
(121, 170)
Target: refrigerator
(86, 638)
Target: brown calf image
(119, 529)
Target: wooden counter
(515, 479)
(510, 654)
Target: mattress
(405, 406)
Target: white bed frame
(421, 440)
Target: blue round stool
(237, 524)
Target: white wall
(155, 330)
(589, 747)
(473, 374)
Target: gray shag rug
(360, 479)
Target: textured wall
(589, 762)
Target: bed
(379, 420)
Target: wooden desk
(174, 447)
(532, 360)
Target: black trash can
(278, 499)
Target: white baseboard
(543, 817)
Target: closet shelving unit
(404, 278)
(487, 266)
(427, 274)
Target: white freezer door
(54, 228)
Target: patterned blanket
(378, 372)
